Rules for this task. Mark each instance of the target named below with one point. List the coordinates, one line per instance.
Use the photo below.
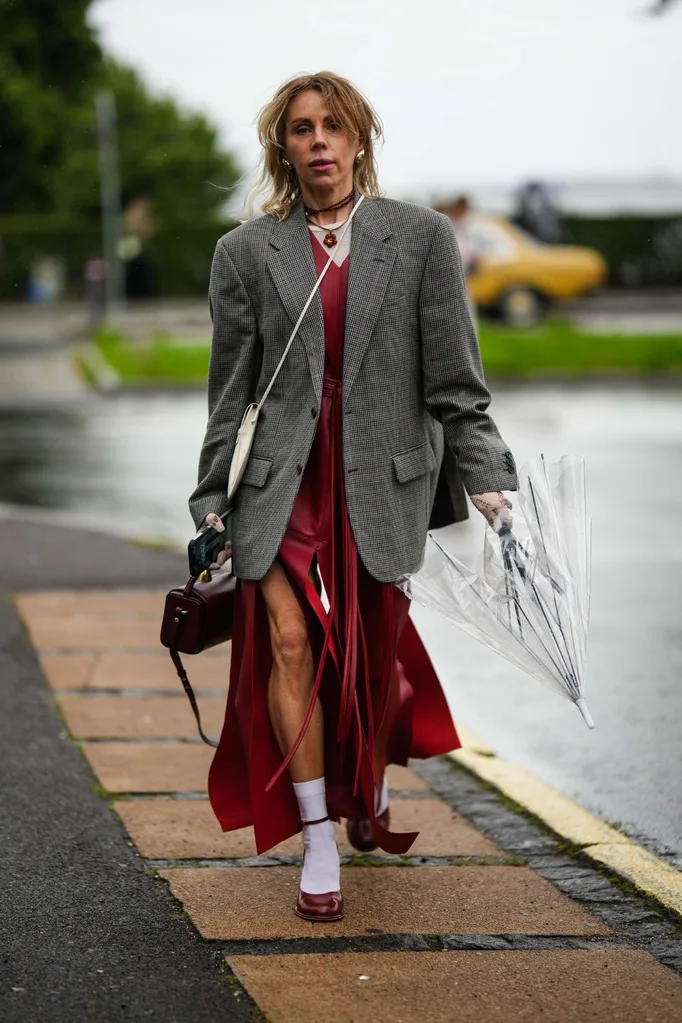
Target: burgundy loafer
(359, 831)
(320, 909)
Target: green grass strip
(554, 349)
(557, 348)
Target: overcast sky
(470, 91)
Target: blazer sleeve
(454, 386)
(232, 376)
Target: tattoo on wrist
(488, 507)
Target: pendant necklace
(330, 238)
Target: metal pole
(110, 198)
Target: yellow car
(518, 278)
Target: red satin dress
(380, 695)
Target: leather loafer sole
(319, 909)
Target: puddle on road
(128, 459)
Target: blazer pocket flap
(256, 471)
(414, 462)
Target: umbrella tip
(585, 711)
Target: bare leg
(289, 691)
(291, 678)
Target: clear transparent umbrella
(531, 603)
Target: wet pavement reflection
(128, 461)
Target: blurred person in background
(460, 216)
(139, 226)
(537, 214)
(459, 212)
(329, 681)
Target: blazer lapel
(292, 268)
(371, 262)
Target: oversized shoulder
(417, 231)
(410, 216)
(250, 234)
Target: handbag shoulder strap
(187, 685)
(318, 282)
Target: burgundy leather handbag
(197, 617)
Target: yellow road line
(645, 871)
(605, 845)
(470, 741)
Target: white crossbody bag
(247, 430)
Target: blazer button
(299, 469)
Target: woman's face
(318, 148)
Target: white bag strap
(306, 307)
(246, 432)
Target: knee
(290, 647)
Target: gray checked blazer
(412, 378)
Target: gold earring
(360, 156)
(286, 162)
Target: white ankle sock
(321, 871)
(382, 798)
(312, 799)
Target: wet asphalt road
(129, 463)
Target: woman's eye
(301, 130)
(334, 126)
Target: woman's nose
(319, 139)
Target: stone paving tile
(162, 767)
(136, 717)
(611, 986)
(134, 671)
(94, 603)
(257, 903)
(167, 829)
(82, 632)
(403, 779)
(177, 767)
(69, 671)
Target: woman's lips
(321, 165)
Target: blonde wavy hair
(352, 111)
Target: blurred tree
(662, 5)
(51, 66)
(168, 156)
(47, 54)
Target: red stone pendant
(330, 239)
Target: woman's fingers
(503, 521)
(489, 504)
(212, 519)
(496, 508)
(222, 558)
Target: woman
(329, 681)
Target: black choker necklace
(330, 238)
(310, 212)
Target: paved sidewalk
(487, 920)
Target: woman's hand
(213, 519)
(496, 508)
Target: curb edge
(599, 842)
